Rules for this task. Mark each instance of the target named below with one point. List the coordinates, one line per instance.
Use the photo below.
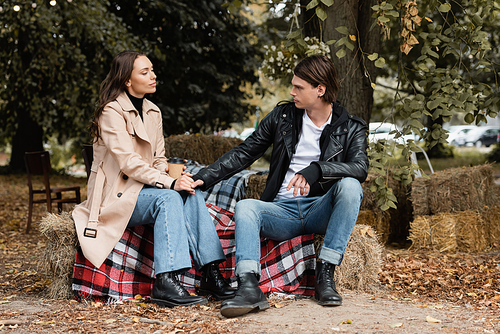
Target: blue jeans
(182, 225)
(333, 214)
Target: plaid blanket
(287, 267)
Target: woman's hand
(184, 183)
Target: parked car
(458, 134)
(379, 130)
(482, 136)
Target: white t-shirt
(308, 150)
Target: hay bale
(58, 257)
(450, 232)
(204, 149)
(255, 186)
(491, 218)
(393, 224)
(362, 261)
(455, 189)
(380, 221)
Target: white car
(457, 135)
(380, 130)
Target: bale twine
(58, 257)
(455, 189)
(491, 218)
(450, 232)
(362, 260)
(204, 149)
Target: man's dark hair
(319, 70)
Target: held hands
(298, 182)
(185, 182)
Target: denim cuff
(330, 256)
(247, 266)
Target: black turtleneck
(137, 102)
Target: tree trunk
(28, 138)
(354, 71)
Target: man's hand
(298, 182)
(197, 183)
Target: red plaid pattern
(287, 267)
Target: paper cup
(175, 167)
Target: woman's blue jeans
(333, 214)
(182, 225)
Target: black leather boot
(168, 291)
(249, 297)
(214, 284)
(324, 291)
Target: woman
(129, 185)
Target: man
(317, 164)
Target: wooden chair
(38, 163)
(88, 156)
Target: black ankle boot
(248, 297)
(324, 291)
(214, 284)
(168, 291)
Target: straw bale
(255, 186)
(59, 255)
(450, 232)
(204, 149)
(362, 261)
(491, 218)
(455, 189)
(393, 224)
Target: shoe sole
(201, 292)
(231, 311)
(166, 303)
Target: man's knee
(350, 189)
(247, 208)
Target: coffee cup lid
(175, 160)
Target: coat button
(119, 194)
(284, 115)
(125, 177)
(284, 132)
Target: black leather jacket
(343, 151)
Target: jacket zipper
(332, 178)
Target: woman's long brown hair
(114, 85)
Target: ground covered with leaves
(469, 282)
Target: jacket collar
(127, 105)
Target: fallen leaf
(279, 305)
(397, 325)
(431, 319)
(345, 322)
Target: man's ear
(321, 90)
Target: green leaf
(330, 42)
(343, 30)
(349, 45)
(373, 56)
(383, 19)
(312, 4)
(327, 3)
(380, 62)
(294, 34)
(469, 118)
(446, 7)
(341, 53)
(321, 13)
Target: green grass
(464, 157)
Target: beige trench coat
(129, 154)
